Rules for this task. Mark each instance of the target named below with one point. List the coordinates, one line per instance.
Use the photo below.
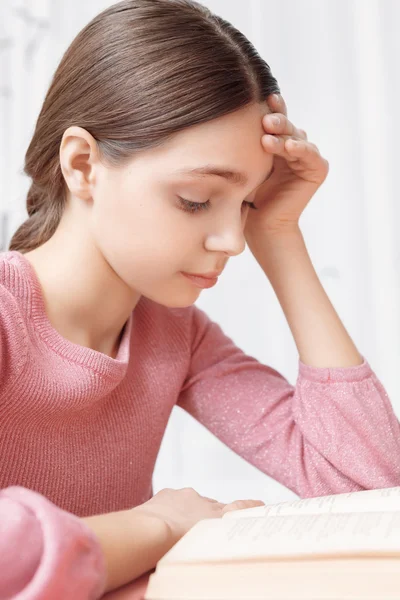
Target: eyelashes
(194, 207)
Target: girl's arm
(335, 431)
(274, 237)
(319, 334)
(46, 552)
(132, 543)
(134, 540)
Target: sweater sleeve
(46, 552)
(335, 431)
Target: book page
(291, 536)
(387, 499)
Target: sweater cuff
(72, 562)
(335, 374)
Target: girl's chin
(182, 301)
(181, 298)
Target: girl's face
(153, 220)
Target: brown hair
(139, 72)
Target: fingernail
(277, 97)
(275, 120)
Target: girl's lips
(201, 282)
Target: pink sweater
(80, 431)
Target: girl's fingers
(276, 144)
(292, 149)
(305, 157)
(277, 103)
(294, 146)
(303, 134)
(279, 124)
(283, 139)
(212, 500)
(242, 504)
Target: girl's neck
(85, 300)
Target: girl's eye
(189, 206)
(192, 207)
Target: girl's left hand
(299, 170)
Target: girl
(161, 148)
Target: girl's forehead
(244, 125)
(233, 140)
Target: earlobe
(78, 156)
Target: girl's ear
(78, 160)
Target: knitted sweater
(80, 431)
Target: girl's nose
(229, 239)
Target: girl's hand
(299, 170)
(181, 509)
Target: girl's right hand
(181, 509)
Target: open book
(345, 546)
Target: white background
(337, 62)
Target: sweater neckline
(98, 362)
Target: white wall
(337, 64)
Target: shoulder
(14, 312)
(15, 286)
